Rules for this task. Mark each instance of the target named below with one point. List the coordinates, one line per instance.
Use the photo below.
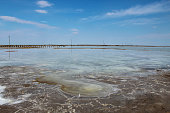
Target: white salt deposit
(11, 101)
(3, 100)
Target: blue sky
(138, 22)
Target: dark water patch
(10, 51)
(148, 68)
(156, 68)
(43, 79)
(26, 85)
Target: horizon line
(7, 45)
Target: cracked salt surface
(11, 101)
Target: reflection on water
(79, 67)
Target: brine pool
(81, 72)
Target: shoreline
(143, 94)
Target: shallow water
(76, 70)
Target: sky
(127, 22)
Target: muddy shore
(149, 94)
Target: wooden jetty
(30, 46)
(62, 46)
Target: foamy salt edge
(10, 101)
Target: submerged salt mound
(83, 87)
(90, 88)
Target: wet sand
(150, 94)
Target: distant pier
(30, 46)
(62, 46)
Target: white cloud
(157, 7)
(41, 11)
(43, 4)
(142, 10)
(139, 21)
(69, 10)
(75, 31)
(17, 20)
(43, 21)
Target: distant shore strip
(70, 46)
